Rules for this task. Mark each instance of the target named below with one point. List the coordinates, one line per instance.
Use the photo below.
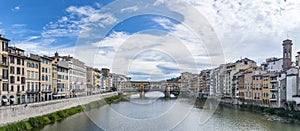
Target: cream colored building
(266, 89)
(45, 76)
(17, 78)
(4, 90)
(233, 68)
(32, 74)
(60, 81)
(93, 79)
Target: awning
(4, 100)
(12, 99)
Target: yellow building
(45, 71)
(257, 89)
(247, 86)
(93, 78)
(266, 89)
(60, 81)
(32, 74)
(4, 70)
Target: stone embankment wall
(15, 113)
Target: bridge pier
(142, 94)
(167, 92)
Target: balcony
(3, 63)
(32, 91)
(273, 99)
(273, 89)
(46, 91)
(3, 78)
(273, 80)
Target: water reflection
(224, 118)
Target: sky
(152, 39)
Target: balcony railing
(273, 89)
(4, 63)
(46, 91)
(32, 91)
(273, 99)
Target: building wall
(291, 84)
(46, 79)
(12, 114)
(17, 80)
(266, 89)
(32, 75)
(4, 74)
(274, 64)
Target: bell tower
(287, 54)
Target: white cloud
(130, 9)
(76, 19)
(18, 25)
(247, 28)
(17, 8)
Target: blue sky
(104, 29)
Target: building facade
(16, 75)
(4, 90)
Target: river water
(155, 113)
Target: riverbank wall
(15, 113)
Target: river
(156, 113)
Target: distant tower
(287, 54)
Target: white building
(291, 83)
(77, 74)
(274, 64)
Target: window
(36, 66)
(18, 61)
(43, 69)
(12, 70)
(37, 86)
(12, 88)
(18, 88)
(3, 59)
(23, 88)
(4, 86)
(22, 71)
(18, 70)
(22, 80)
(43, 78)
(28, 64)
(4, 46)
(18, 78)
(36, 75)
(32, 86)
(12, 59)
(12, 79)
(28, 74)
(22, 61)
(28, 86)
(5, 73)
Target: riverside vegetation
(290, 114)
(41, 121)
